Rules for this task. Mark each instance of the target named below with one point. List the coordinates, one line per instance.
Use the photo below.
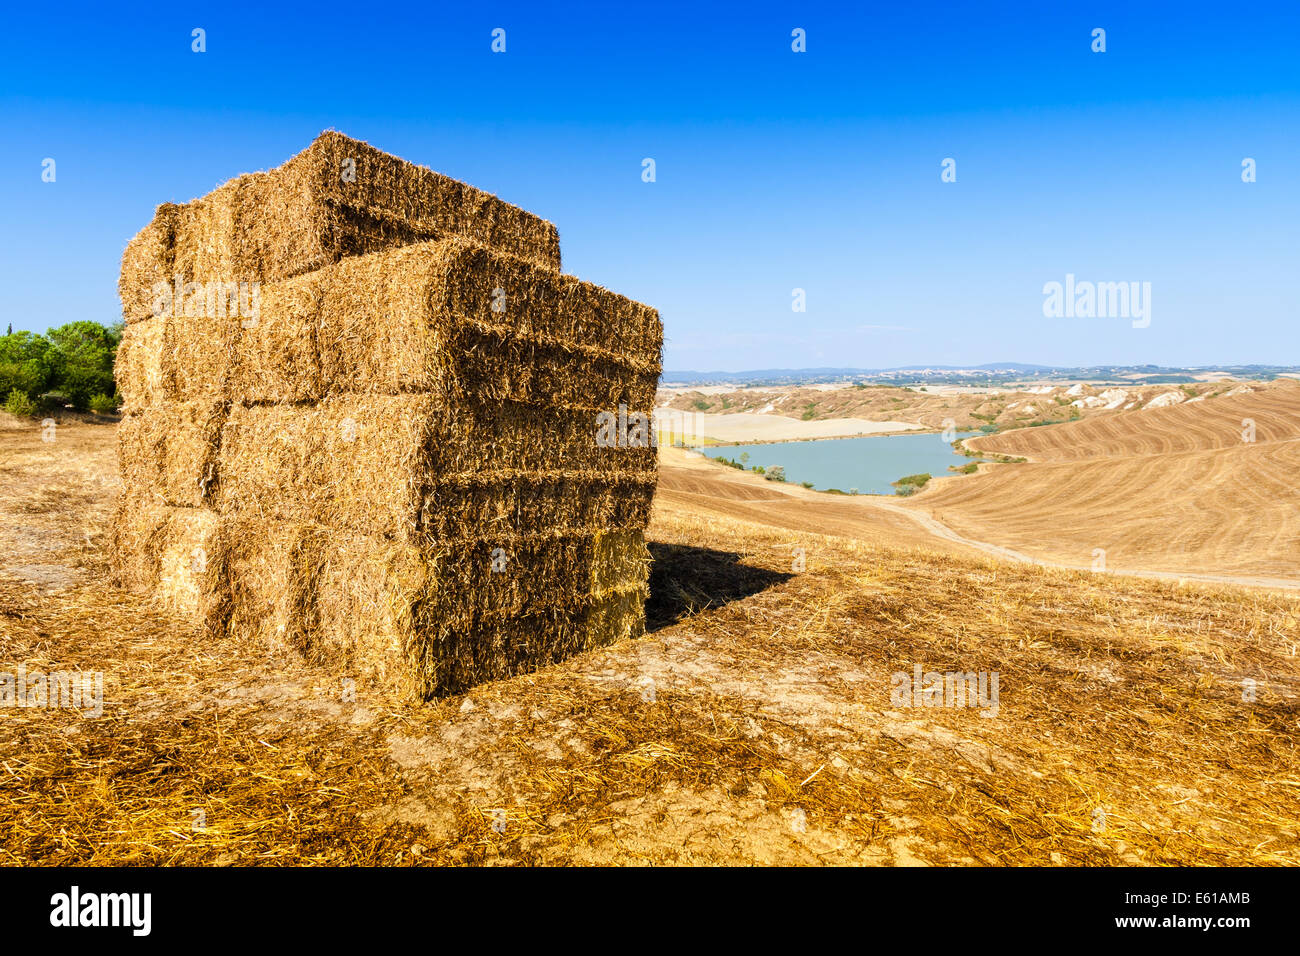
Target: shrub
(19, 404)
(776, 473)
(909, 484)
(104, 404)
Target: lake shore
(751, 428)
(856, 462)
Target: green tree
(24, 364)
(80, 357)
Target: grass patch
(910, 484)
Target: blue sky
(775, 170)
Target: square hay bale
(386, 455)
(169, 553)
(474, 648)
(338, 198)
(449, 318)
(413, 468)
(174, 358)
(198, 351)
(494, 503)
(139, 366)
(170, 451)
(186, 354)
(430, 621)
(148, 260)
(348, 464)
(418, 319)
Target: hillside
(938, 405)
(1168, 489)
(1190, 426)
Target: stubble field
(1138, 721)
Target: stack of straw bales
(381, 449)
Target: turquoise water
(869, 464)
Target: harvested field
(1202, 426)
(753, 724)
(1172, 490)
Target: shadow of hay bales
(686, 579)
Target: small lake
(870, 464)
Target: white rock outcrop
(1166, 399)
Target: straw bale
(485, 504)
(139, 366)
(198, 351)
(304, 215)
(428, 318)
(349, 464)
(387, 187)
(169, 553)
(458, 655)
(386, 464)
(184, 356)
(391, 464)
(171, 451)
(416, 319)
(433, 620)
(147, 260)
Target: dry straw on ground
(759, 693)
(414, 403)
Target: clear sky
(775, 170)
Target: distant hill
(992, 373)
